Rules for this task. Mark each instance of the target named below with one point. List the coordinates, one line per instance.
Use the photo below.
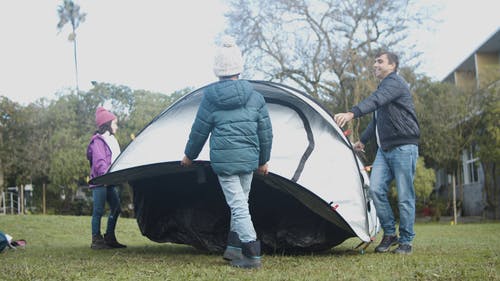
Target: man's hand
(186, 162)
(263, 169)
(342, 118)
(359, 146)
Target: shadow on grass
(175, 249)
(334, 252)
(168, 249)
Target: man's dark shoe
(387, 242)
(404, 249)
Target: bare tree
(68, 11)
(325, 47)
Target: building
(479, 70)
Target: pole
(43, 200)
(11, 203)
(454, 199)
(18, 200)
(21, 207)
(3, 203)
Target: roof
(492, 44)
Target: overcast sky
(165, 46)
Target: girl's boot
(110, 240)
(98, 243)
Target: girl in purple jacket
(103, 149)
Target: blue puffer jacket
(396, 119)
(237, 119)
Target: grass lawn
(58, 249)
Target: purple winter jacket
(99, 156)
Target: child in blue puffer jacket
(237, 120)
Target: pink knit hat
(102, 116)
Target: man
(237, 120)
(395, 128)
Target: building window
(470, 165)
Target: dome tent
(314, 198)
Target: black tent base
(189, 208)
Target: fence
(14, 200)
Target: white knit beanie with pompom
(228, 60)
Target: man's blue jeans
(101, 194)
(397, 164)
(236, 189)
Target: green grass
(58, 249)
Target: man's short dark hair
(392, 57)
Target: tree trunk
(460, 184)
(1, 176)
(491, 190)
(76, 63)
(1, 168)
(454, 198)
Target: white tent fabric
(309, 151)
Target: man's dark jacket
(396, 119)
